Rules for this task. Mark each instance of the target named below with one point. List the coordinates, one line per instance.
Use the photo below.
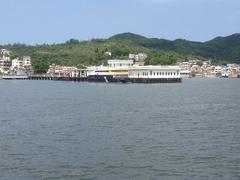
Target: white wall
(154, 73)
(120, 63)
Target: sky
(56, 21)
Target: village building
(139, 59)
(114, 63)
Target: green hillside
(160, 51)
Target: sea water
(103, 131)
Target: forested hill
(160, 51)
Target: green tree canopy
(40, 66)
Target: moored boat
(106, 74)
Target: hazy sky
(49, 21)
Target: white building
(17, 63)
(131, 56)
(65, 71)
(141, 57)
(4, 53)
(138, 57)
(4, 65)
(108, 53)
(27, 61)
(185, 66)
(120, 63)
(154, 72)
(218, 69)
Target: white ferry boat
(106, 74)
(116, 71)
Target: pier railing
(55, 77)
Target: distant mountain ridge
(160, 51)
(220, 48)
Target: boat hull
(107, 78)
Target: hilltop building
(27, 61)
(4, 54)
(108, 53)
(139, 59)
(120, 63)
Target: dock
(15, 77)
(45, 77)
(56, 78)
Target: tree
(72, 41)
(40, 66)
(81, 66)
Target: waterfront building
(5, 65)
(217, 70)
(5, 62)
(185, 73)
(154, 74)
(185, 68)
(79, 73)
(61, 71)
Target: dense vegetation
(40, 66)
(160, 51)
